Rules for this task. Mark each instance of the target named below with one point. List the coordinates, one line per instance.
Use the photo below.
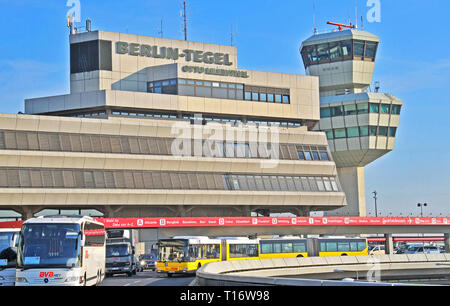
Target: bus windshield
(8, 253)
(49, 245)
(117, 250)
(173, 250)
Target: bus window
(331, 247)
(362, 246)
(266, 248)
(343, 247)
(243, 250)
(299, 247)
(287, 247)
(277, 247)
(354, 246)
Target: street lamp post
(375, 196)
(422, 205)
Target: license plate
(166, 264)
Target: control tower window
(359, 48)
(371, 49)
(322, 52)
(347, 47)
(335, 50)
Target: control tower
(360, 122)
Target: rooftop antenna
(377, 86)
(314, 17)
(88, 25)
(71, 25)
(160, 32)
(185, 20)
(356, 14)
(233, 34)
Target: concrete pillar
(389, 244)
(352, 182)
(447, 242)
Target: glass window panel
(277, 247)
(266, 248)
(374, 108)
(340, 133)
(353, 246)
(337, 111)
(322, 52)
(396, 109)
(361, 246)
(392, 131)
(343, 247)
(248, 96)
(287, 247)
(251, 183)
(327, 184)
(335, 50)
(267, 185)
(331, 246)
(371, 48)
(325, 112)
(275, 183)
(346, 48)
(373, 130)
(259, 183)
(358, 46)
(315, 155)
(312, 184)
(323, 247)
(298, 184)
(350, 109)
(290, 184)
(329, 134)
(385, 108)
(270, 97)
(278, 98)
(320, 184)
(283, 183)
(301, 155)
(263, 97)
(364, 131)
(352, 132)
(382, 131)
(308, 155)
(299, 247)
(363, 108)
(286, 99)
(324, 156)
(334, 184)
(255, 96)
(243, 182)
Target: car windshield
(148, 256)
(8, 254)
(117, 250)
(172, 250)
(49, 245)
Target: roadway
(146, 278)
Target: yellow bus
(186, 254)
(283, 248)
(325, 247)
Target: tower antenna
(356, 14)
(161, 32)
(314, 16)
(185, 21)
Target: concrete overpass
(152, 229)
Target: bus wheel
(300, 256)
(344, 255)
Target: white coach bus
(61, 251)
(8, 256)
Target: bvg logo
(46, 274)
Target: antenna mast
(185, 21)
(356, 14)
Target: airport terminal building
(156, 127)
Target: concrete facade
(113, 144)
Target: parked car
(427, 249)
(378, 250)
(148, 261)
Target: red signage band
(124, 223)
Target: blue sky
(413, 63)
